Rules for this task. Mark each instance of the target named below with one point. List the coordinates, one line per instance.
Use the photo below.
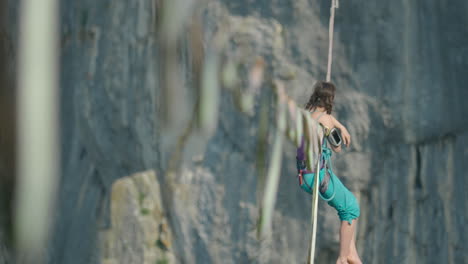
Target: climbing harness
(324, 162)
(325, 166)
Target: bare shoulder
(324, 119)
(327, 120)
(333, 118)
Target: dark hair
(324, 93)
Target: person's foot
(342, 260)
(354, 260)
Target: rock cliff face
(399, 68)
(139, 230)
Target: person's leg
(353, 257)
(351, 253)
(342, 261)
(347, 207)
(346, 237)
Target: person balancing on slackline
(331, 189)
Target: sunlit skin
(348, 252)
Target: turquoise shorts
(343, 201)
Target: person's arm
(344, 132)
(336, 149)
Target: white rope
(315, 208)
(334, 5)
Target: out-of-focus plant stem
(262, 145)
(244, 98)
(271, 187)
(174, 15)
(299, 128)
(209, 94)
(38, 136)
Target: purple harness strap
(300, 155)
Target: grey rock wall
(399, 68)
(109, 130)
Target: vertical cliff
(399, 68)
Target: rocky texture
(399, 68)
(139, 232)
(421, 213)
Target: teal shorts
(343, 201)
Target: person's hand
(346, 136)
(344, 132)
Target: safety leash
(334, 4)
